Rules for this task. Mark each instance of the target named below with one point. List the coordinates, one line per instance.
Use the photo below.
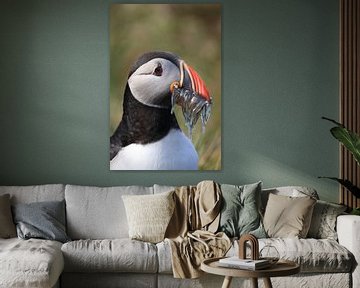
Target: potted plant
(351, 141)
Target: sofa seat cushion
(164, 257)
(30, 263)
(115, 255)
(313, 255)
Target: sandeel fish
(193, 106)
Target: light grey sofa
(101, 254)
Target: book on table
(249, 264)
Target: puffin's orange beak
(189, 77)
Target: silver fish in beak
(191, 94)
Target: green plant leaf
(355, 211)
(347, 184)
(348, 138)
(333, 121)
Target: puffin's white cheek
(148, 89)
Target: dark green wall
(280, 75)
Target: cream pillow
(288, 217)
(149, 215)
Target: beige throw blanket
(191, 231)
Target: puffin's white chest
(173, 152)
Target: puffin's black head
(152, 75)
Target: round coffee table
(281, 268)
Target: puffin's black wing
(115, 145)
(141, 124)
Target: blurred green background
(192, 31)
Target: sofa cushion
(163, 188)
(164, 257)
(43, 220)
(7, 226)
(116, 255)
(98, 213)
(240, 210)
(36, 193)
(287, 216)
(323, 222)
(291, 191)
(313, 255)
(30, 263)
(149, 215)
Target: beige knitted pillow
(288, 217)
(149, 215)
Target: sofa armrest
(348, 230)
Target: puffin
(148, 136)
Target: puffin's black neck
(141, 124)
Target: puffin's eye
(158, 70)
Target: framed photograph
(165, 87)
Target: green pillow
(240, 212)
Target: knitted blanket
(191, 232)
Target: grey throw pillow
(240, 213)
(7, 226)
(44, 220)
(323, 222)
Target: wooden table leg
(267, 283)
(227, 282)
(254, 282)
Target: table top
(281, 268)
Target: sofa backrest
(163, 188)
(293, 191)
(98, 213)
(36, 193)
